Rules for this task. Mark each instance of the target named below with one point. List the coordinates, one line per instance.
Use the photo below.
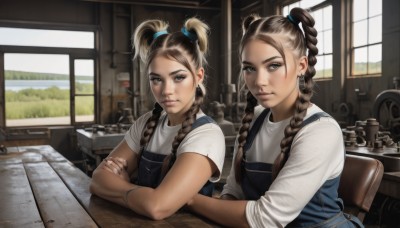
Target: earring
(199, 92)
(302, 82)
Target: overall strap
(201, 121)
(314, 117)
(258, 123)
(254, 129)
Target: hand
(117, 166)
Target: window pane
(328, 17)
(320, 43)
(84, 108)
(37, 91)
(328, 41)
(375, 7)
(84, 76)
(309, 3)
(328, 66)
(285, 11)
(375, 31)
(46, 38)
(318, 20)
(319, 68)
(360, 10)
(360, 33)
(375, 59)
(84, 84)
(360, 61)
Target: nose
(168, 88)
(261, 78)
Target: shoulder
(205, 124)
(316, 120)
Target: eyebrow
(172, 73)
(264, 61)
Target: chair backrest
(359, 183)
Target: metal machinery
(379, 137)
(386, 109)
(97, 142)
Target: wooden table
(40, 188)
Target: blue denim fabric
(149, 172)
(323, 210)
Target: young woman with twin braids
(294, 183)
(176, 150)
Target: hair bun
(248, 20)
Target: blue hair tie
(159, 33)
(192, 36)
(292, 19)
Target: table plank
(17, 203)
(108, 214)
(28, 154)
(57, 205)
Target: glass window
(37, 89)
(46, 38)
(84, 90)
(323, 25)
(41, 88)
(367, 38)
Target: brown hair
(256, 28)
(188, 47)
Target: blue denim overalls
(150, 164)
(324, 209)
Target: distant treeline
(22, 75)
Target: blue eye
(155, 80)
(179, 77)
(274, 66)
(248, 69)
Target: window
(49, 85)
(323, 24)
(46, 38)
(366, 38)
(84, 93)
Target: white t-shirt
(317, 155)
(207, 140)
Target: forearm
(109, 186)
(231, 213)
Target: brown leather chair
(359, 183)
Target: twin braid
(150, 126)
(243, 132)
(303, 101)
(190, 118)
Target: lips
(168, 102)
(264, 96)
(263, 93)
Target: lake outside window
(47, 89)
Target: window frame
(318, 6)
(73, 53)
(352, 48)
